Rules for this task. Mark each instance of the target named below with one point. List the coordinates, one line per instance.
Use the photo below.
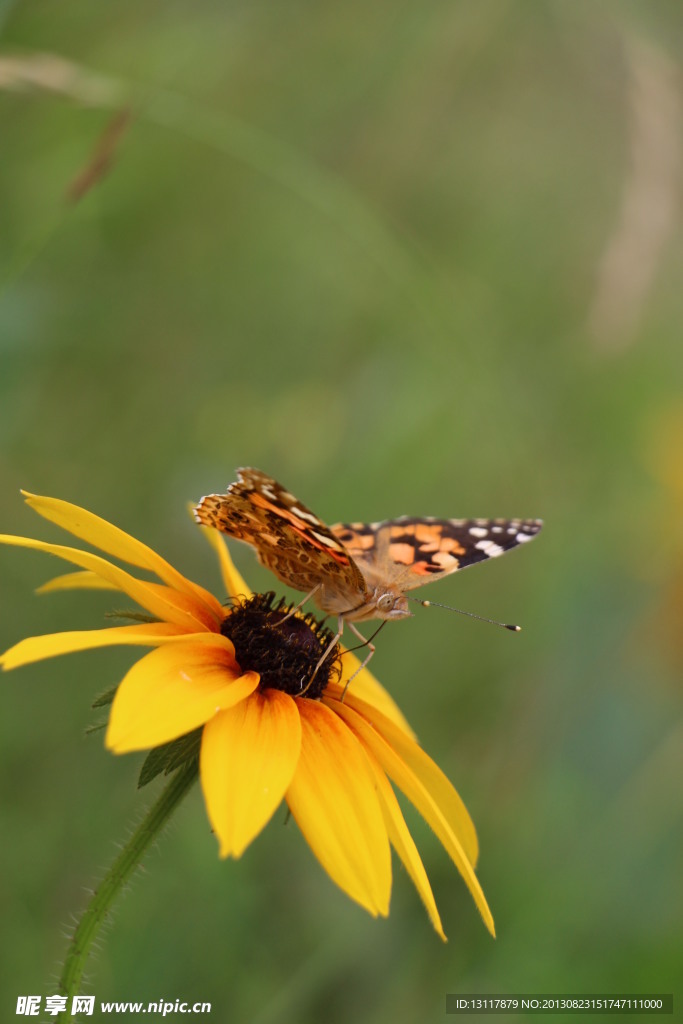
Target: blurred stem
(95, 914)
(274, 158)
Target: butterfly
(356, 571)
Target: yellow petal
(335, 804)
(35, 648)
(163, 602)
(425, 802)
(403, 843)
(175, 689)
(367, 688)
(234, 584)
(435, 782)
(84, 580)
(248, 757)
(116, 542)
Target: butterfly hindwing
(288, 538)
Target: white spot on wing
(329, 542)
(308, 516)
(478, 531)
(489, 547)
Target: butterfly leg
(302, 602)
(371, 651)
(330, 647)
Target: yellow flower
(330, 759)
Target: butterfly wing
(288, 538)
(409, 552)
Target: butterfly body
(357, 571)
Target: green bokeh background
(409, 259)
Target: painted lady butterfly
(357, 571)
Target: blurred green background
(409, 259)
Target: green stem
(96, 912)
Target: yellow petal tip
(226, 851)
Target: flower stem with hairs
(97, 911)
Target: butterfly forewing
(412, 551)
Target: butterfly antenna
(471, 615)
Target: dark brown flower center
(284, 651)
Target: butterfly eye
(386, 602)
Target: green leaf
(170, 756)
(105, 699)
